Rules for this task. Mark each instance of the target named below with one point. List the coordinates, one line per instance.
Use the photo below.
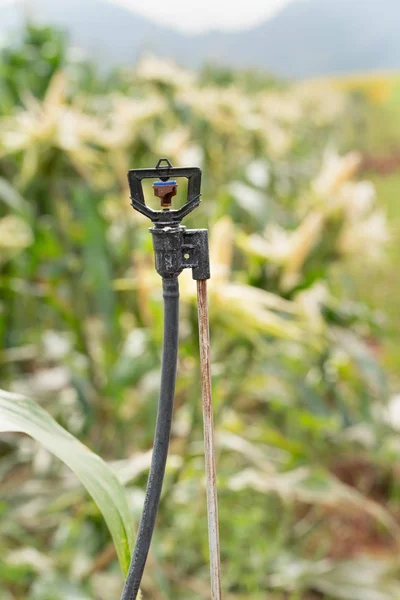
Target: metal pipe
(209, 447)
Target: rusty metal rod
(209, 449)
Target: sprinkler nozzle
(165, 190)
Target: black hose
(161, 439)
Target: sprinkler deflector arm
(175, 248)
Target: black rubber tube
(161, 439)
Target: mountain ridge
(305, 38)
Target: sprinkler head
(175, 247)
(165, 188)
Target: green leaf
(97, 263)
(13, 199)
(20, 414)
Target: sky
(197, 16)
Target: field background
(300, 194)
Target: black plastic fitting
(179, 248)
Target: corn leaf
(20, 414)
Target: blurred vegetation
(303, 266)
(373, 127)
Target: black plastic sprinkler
(175, 248)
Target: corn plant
(305, 449)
